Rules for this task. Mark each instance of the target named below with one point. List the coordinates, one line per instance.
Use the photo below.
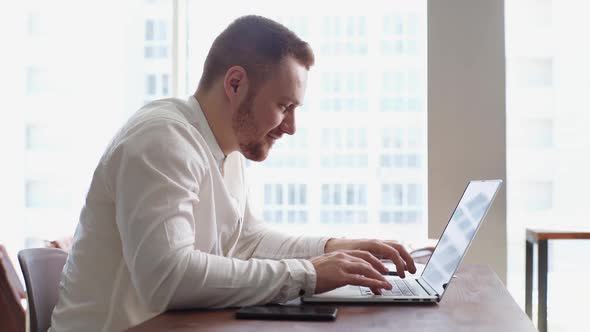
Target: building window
(532, 72)
(539, 195)
(344, 148)
(344, 92)
(400, 34)
(344, 35)
(338, 139)
(296, 23)
(401, 148)
(344, 203)
(165, 84)
(285, 203)
(538, 133)
(45, 194)
(151, 84)
(39, 138)
(33, 24)
(401, 203)
(34, 81)
(157, 85)
(156, 30)
(400, 92)
(288, 152)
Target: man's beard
(244, 125)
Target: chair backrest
(42, 268)
(12, 317)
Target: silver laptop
(442, 265)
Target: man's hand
(349, 267)
(381, 249)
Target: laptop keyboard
(400, 288)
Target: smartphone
(288, 312)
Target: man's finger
(370, 258)
(376, 291)
(361, 280)
(405, 255)
(361, 267)
(391, 253)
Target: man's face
(269, 112)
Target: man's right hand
(349, 267)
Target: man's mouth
(274, 137)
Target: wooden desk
(475, 301)
(541, 238)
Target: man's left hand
(378, 248)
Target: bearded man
(167, 223)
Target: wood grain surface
(475, 301)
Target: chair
(13, 316)
(422, 255)
(42, 268)
(64, 243)
(421, 250)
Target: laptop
(430, 286)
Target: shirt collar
(204, 129)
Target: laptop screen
(459, 233)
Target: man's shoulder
(160, 117)
(163, 110)
(160, 126)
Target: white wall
(466, 116)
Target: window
(539, 195)
(538, 133)
(344, 203)
(46, 194)
(344, 92)
(34, 80)
(157, 44)
(156, 39)
(401, 203)
(547, 155)
(289, 152)
(344, 148)
(401, 148)
(61, 86)
(44, 138)
(358, 91)
(151, 84)
(285, 203)
(400, 34)
(336, 150)
(157, 85)
(533, 73)
(344, 35)
(33, 24)
(400, 92)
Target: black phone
(288, 312)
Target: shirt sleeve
(260, 241)
(155, 175)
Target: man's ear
(235, 84)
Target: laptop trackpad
(346, 291)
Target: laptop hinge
(429, 290)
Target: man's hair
(257, 44)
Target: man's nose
(288, 124)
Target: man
(167, 223)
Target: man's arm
(260, 241)
(155, 176)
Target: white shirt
(166, 224)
